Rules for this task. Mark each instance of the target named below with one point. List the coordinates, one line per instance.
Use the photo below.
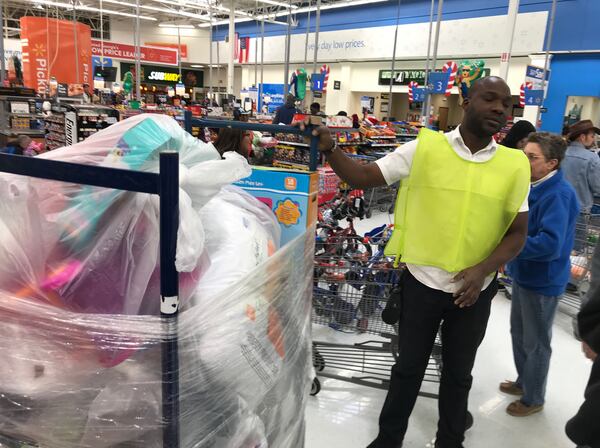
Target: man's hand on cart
(472, 282)
(589, 353)
(326, 141)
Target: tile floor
(344, 415)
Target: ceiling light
(173, 25)
(282, 4)
(158, 9)
(90, 9)
(270, 17)
(196, 66)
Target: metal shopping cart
(587, 235)
(352, 287)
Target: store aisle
(345, 415)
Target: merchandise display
(291, 195)
(80, 292)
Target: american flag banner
(242, 49)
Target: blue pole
(169, 291)
(314, 153)
(187, 121)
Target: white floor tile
(345, 415)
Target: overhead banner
(167, 56)
(51, 47)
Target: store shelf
(351, 144)
(304, 145)
(381, 145)
(34, 132)
(378, 137)
(407, 135)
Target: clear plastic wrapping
(79, 293)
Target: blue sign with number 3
(438, 81)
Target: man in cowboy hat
(582, 166)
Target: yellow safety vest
(452, 213)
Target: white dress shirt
(397, 165)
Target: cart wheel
(316, 387)
(507, 294)
(382, 208)
(470, 420)
(318, 361)
(368, 213)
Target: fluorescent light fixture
(158, 9)
(274, 3)
(196, 66)
(91, 9)
(173, 25)
(271, 17)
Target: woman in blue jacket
(540, 272)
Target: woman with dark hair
(235, 140)
(517, 136)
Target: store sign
(535, 75)
(404, 77)
(272, 97)
(155, 74)
(166, 56)
(44, 38)
(401, 77)
(534, 97)
(317, 80)
(438, 82)
(337, 85)
(182, 47)
(419, 95)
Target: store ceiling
(184, 13)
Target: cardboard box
(291, 194)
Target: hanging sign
(438, 82)
(317, 80)
(166, 56)
(180, 89)
(418, 94)
(534, 97)
(43, 39)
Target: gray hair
(553, 146)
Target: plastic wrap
(79, 294)
(245, 373)
(95, 250)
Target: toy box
(292, 195)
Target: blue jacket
(285, 114)
(544, 265)
(582, 169)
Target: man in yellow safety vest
(461, 213)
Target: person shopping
(461, 213)
(517, 136)
(582, 166)
(540, 272)
(583, 428)
(285, 113)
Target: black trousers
(423, 310)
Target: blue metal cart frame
(189, 122)
(166, 186)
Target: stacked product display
(80, 292)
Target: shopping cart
(587, 235)
(352, 288)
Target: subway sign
(163, 76)
(160, 75)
